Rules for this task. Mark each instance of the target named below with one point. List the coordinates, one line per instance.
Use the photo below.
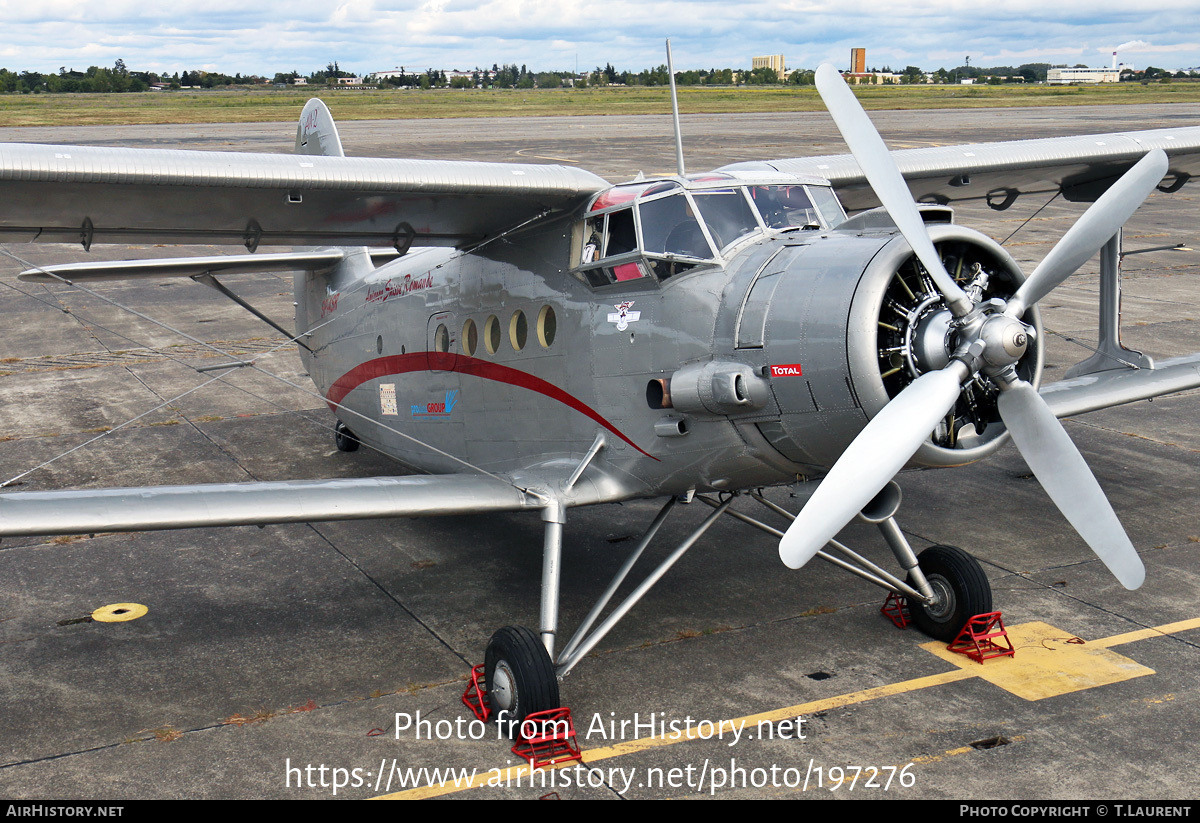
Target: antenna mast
(675, 113)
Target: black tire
(519, 675)
(343, 438)
(962, 589)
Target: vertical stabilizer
(316, 133)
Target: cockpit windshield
(727, 214)
(662, 228)
(785, 207)
(669, 226)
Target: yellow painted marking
(119, 612)
(510, 776)
(1127, 637)
(1045, 665)
(670, 739)
(776, 715)
(1143, 634)
(933, 758)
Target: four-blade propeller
(991, 339)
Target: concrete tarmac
(278, 662)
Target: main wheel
(343, 438)
(519, 674)
(960, 588)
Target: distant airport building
(859, 75)
(872, 78)
(858, 61)
(483, 74)
(1062, 77)
(770, 61)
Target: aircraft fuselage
(750, 368)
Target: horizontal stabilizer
(87, 511)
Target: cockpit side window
(659, 229)
(593, 240)
(622, 237)
(828, 203)
(611, 241)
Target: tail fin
(316, 132)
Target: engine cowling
(857, 316)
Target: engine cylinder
(900, 328)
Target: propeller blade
(881, 449)
(1091, 231)
(884, 176)
(1060, 468)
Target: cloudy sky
(267, 36)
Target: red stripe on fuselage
(448, 362)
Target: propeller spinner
(992, 340)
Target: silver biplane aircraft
(530, 337)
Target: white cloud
(366, 35)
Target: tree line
(117, 79)
(510, 76)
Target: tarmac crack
(220, 449)
(606, 784)
(388, 594)
(1155, 440)
(1104, 609)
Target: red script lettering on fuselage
(399, 288)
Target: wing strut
(212, 282)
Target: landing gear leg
(554, 516)
(518, 667)
(951, 583)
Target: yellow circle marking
(119, 612)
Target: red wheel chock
(977, 640)
(548, 739)
(895, 609)
(475, 697)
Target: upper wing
(1082, 168)
(85, 194)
